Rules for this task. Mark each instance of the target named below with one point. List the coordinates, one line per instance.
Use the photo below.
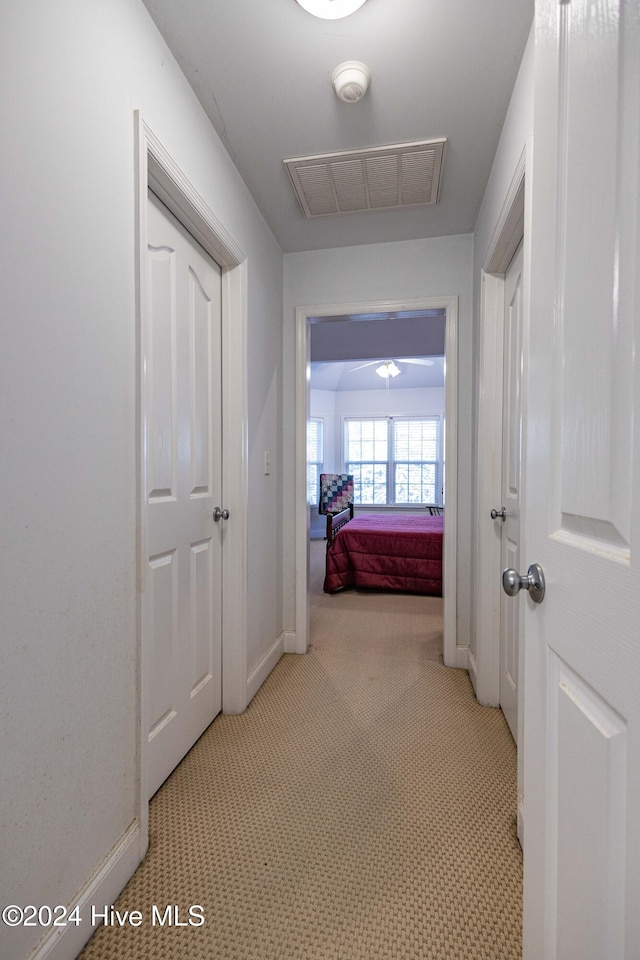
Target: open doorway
(378, 375)
(391, 315)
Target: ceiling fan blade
(363, 365)
(421, 361)
(372, 363)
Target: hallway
(362, 807)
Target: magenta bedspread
(387, 553)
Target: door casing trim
(455, 655)
(511, 227)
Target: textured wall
(76, 73)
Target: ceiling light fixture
(387, 369)
(331, 9)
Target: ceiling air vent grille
(381, 178)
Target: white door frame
(454, 655)
(512, 227)
(156, 169)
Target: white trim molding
(508, 232)
(454, 655)
(289, 637)
(260, 673)
(156, 170)
(103, 887)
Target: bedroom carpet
(363, 808)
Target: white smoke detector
(351, 80)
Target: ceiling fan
(388, 368)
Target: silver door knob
(513, 583)
(502, 513)
(219, 514)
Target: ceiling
(441, 68)
(351, 375)
(379, 337)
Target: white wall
(517, 128)
(72, 76)
(389, 271)
(425, 402)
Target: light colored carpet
(363, 808)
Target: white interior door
(182, 625)
(510, 495)
(582, 489)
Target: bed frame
(337, 520)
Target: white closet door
(182, 602)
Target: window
(415, 460)
(366, 456)
(394, 460)
(315, 458)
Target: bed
(384, 552)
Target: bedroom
(351, 400)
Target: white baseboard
(258, 676)
(65, 943)
(462, 657)
(290, 641)
(520, 826)
(473, 670)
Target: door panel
(597, 383)
(201, 388)
(161, 377)
(582, 673)
(589, 789)
(162, 593)
(182, 606)
(510, 495)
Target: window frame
(317, 463)
(391, 462)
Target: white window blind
(415, 460)
(394, 460)
(366, 457)
(315, 458)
